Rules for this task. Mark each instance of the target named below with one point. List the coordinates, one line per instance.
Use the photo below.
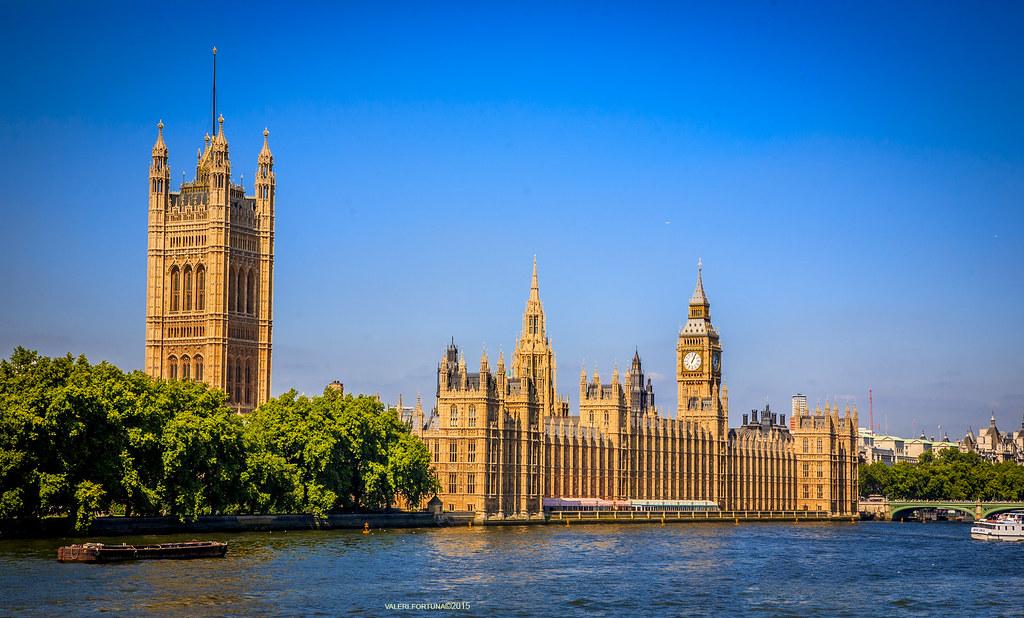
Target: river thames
(698, 569)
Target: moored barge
(101, 552)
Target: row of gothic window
(807, 491)
(194, 284)
(453, 483)
(240, 375)
(807, 445)
(807, 470)
(242, 291)
(470, 420)
(188, 289)
(240, 380)
(453, 452)
(185, 368)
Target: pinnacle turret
(265, 155)
(160, 148)
(219, 138)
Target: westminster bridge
(884, 508)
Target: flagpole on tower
(213, 116)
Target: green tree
(949, 475)
(203, 453)
(340, 452)
(78, 439)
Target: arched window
(471, 421)
(231, 290)
(248, 381)
(175, 289)
(454, 417)
(186, 277)
(200, 289)
(240, 291)
(238, 381)
(230, 379)
(819, 445)
(172, 368)
(197, 365)
(250, 294)
(185, 365)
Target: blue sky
(851, 174)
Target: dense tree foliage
(951, 475)
(81, 439)
(336, 453)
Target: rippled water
(696, 569)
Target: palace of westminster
(501, 441)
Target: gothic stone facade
(501, 442)
(209, 294)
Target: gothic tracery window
(454, 416)
(185, 368)
(197, 368)
(240, 292)
(172, 368)
(175, 289)
(250, 294)
(200, 289)
(248, 381)
(187, 279)
(238, 381)
(231, 289)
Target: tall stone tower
(210, 288)
(533, 357)
(699, 366)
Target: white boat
(1002, 527)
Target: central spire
(698, 297)
(534, 287)
(533, 315)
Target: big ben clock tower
(699, 366)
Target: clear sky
(851, 174)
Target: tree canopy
(950, 475)
(79, 439)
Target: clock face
(716, 360)
(691, 361)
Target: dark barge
(100, 552)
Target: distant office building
(799, 407)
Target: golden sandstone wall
(502, 442)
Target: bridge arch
(1002, 508)
(896, 509)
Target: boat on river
(102, 552)
(1002, 527)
